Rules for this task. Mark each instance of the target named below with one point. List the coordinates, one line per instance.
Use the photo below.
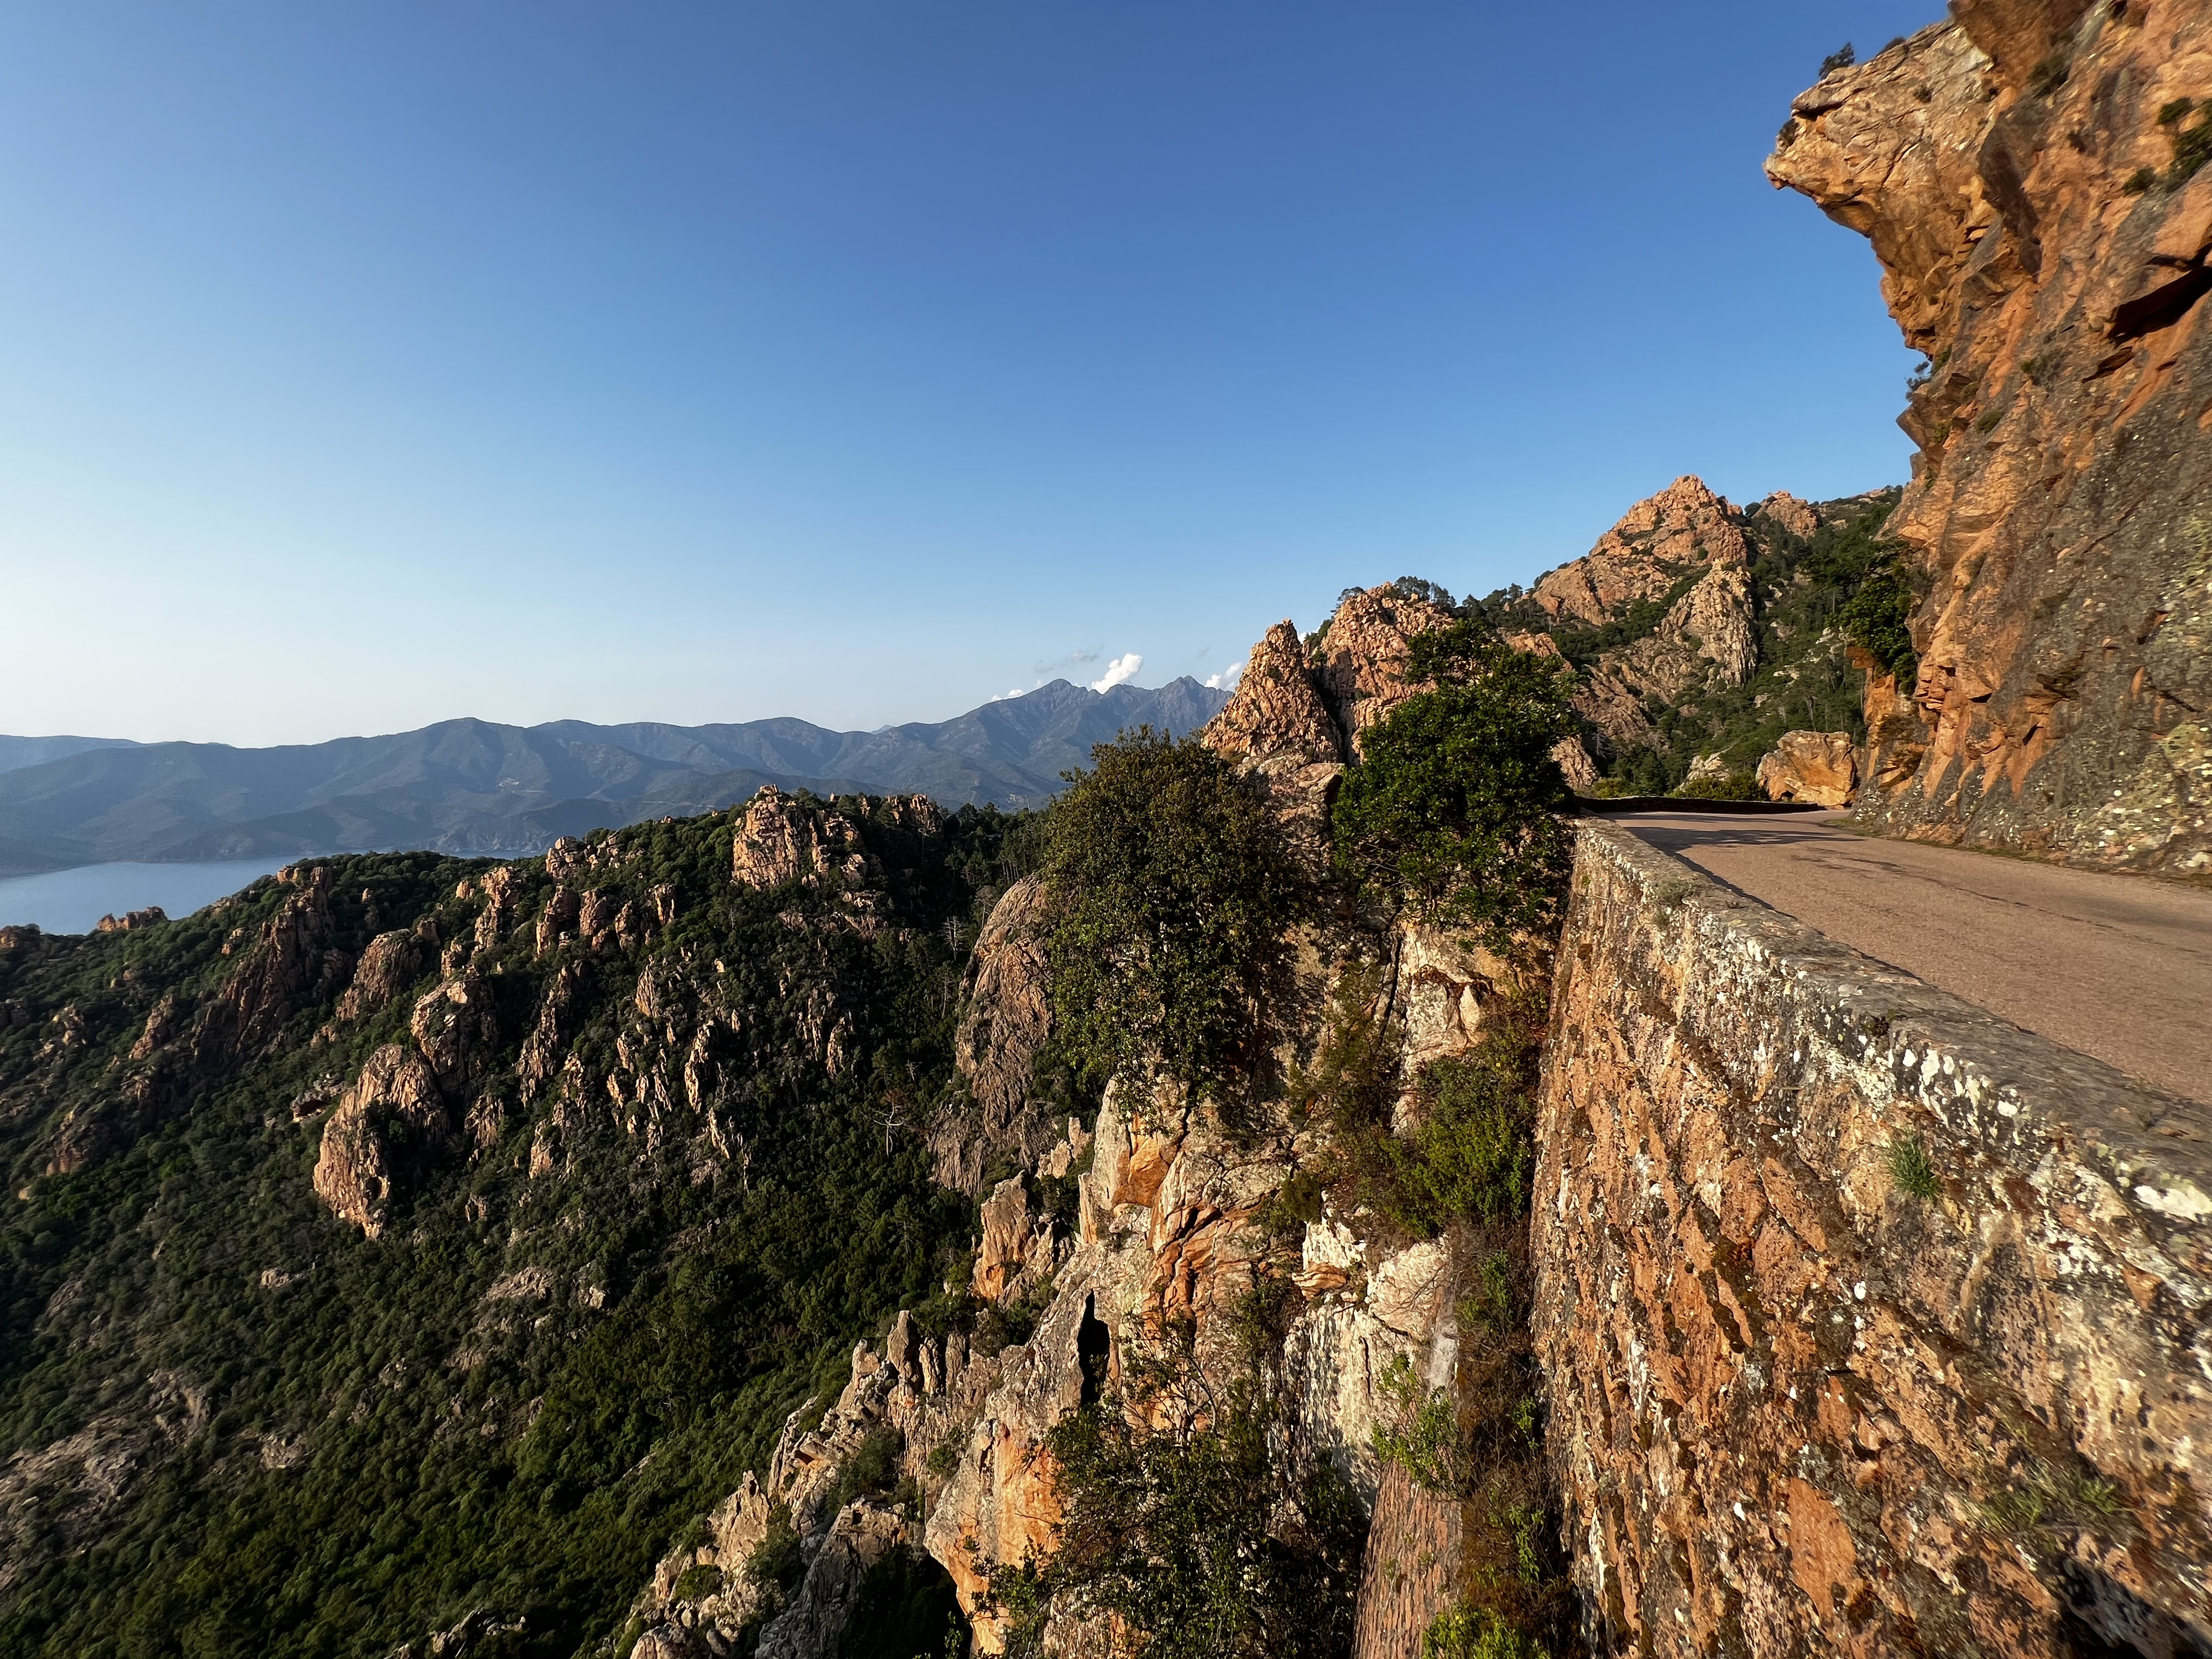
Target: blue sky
(367, 364)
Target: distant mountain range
(474, 787)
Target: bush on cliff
(1876, 618)
(1453, 808)
(1173, 897)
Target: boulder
(1820, 767)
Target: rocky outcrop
(814, 1626)
(293, 959)
(1796, 516)
(2025, 175)
(457, 1027)
(1012, 1239)
(1277, 714)
(780, 838)
(130, 920)
(1873, 1325)
(1365, 658)
(390, 1113)
(1005, 1018)
(1685, 549)
(1645, 555)
(1280, 728)
(393, 961)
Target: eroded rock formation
(392, 1110)
(1685, 550)
(1004, 1023)
(2025, 175)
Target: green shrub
(1875, 617)
(697, 1582)
(873, 1466)
(1172, 899)
(1910, 1168)
(1453, 808)
(1721, 785)
(777, 1563)
(1424, 1441)
(1474, 1632)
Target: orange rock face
(2043, 241)
(1819, 767)
(1366, 653)
(1685, 524)
(1685, 541)
(1276, 713)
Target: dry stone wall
(1872, 1325)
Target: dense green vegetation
(1173, 897)
(303, 1442)
(1453, 807)
(1185, 1521)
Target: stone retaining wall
(1873, 1324)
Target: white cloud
(1120, 671)
(1227, 680)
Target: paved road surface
(2119, 967)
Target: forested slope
(409, 1237)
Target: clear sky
(369, 363)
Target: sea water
(72, 901)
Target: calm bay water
(71, 901)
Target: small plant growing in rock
(872, 1466)
(698, 1582)
(1910, 1169)
(777, 1563)
(1841, 58)
(1424, 1441)
(1474, 1632)
(2047, 77)
(2046, 1497)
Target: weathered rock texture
(1798, 1408)
(1820, 767)
(1365, 653)
(2040, 241)
(1004, 1021)
(1684, 548)
(1279, 726)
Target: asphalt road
(2115, 966)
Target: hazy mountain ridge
(477, 786)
